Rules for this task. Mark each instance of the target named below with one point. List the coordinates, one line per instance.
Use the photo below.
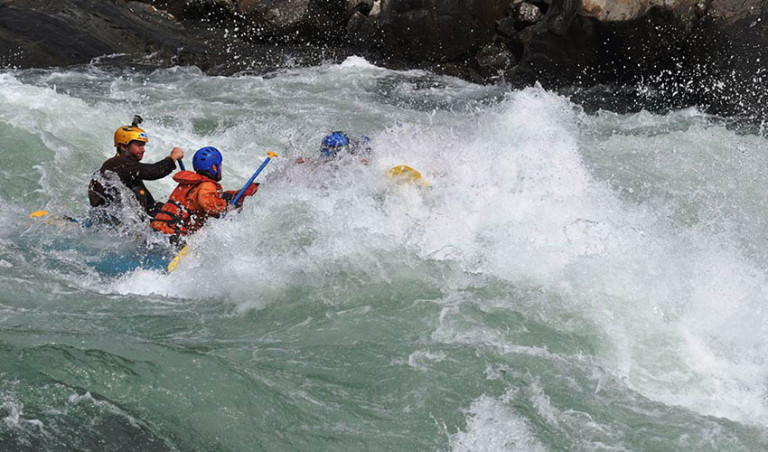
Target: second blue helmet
(207, 160)
(333, 142)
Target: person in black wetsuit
(126, 166)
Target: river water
(571, 281)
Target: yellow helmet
(126, 134)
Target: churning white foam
(493, 425)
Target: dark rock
(213, 11)
(149, 13)
(355, 23)
(46, 33)
(562, 49)
(432, 30)
(495, 57)
(636, 50)
(359, 6)
(295, 20)
(725, 59)
(561, 14)
(521, 41)
(362, 31)
(527, 13)
(35, 33)
(506, 27)
(554, 59)
(689, 56)
(458, 70)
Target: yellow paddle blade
(271, 154)
(56, 220)
(174, 263)
(38, 214)
(406, 174)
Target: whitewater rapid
(570, 280)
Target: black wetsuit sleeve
(151, 171)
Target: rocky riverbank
(619, 54)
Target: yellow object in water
(38, 214)
(174, 263)
(406, 174)
(53, 219)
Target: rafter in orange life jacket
(194, 200)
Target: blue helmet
(333, 142)
(204, 161)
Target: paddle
(270, 156)
(53, 219)
(174, 263)
(406, 174)
(181, 165)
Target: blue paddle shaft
(250, 181)
(181, 165)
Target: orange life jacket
(182, 214)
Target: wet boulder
(587, 42)
(40, 33)
(493, 59)
(205, 10)
(692, 51)
(506, 27)
(558, 50)
(295, 20)
(728, 51)
(362, 27)
(629, 10)
(433, 30)
(364, 7)
(51, 33)
(527, 13)
(685, 52)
